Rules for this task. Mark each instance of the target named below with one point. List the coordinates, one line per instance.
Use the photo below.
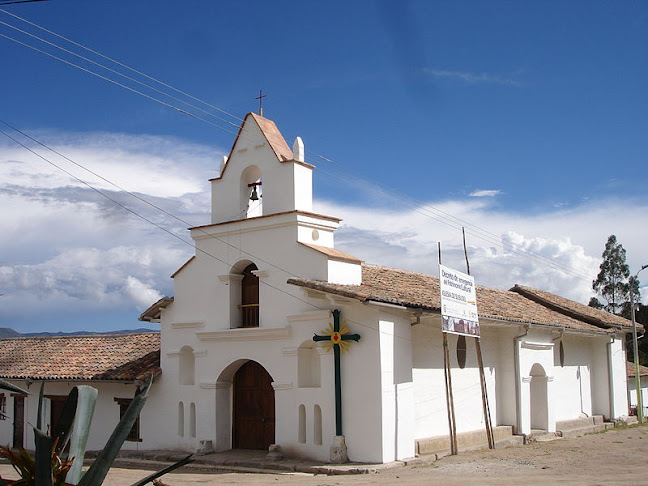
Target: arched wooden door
(254, 408)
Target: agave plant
(49, 467)
(25, 465)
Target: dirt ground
(616, 457)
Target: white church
(237, 337)
(240, 368)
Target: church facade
(240, 367)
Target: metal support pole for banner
(449, 396)
(482, 376)
(448, 387)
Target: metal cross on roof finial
(260, 98)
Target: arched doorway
(538, 398)
(254, 408)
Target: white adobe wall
(573, 389)
(6, 426)
(286, 185)
(632, 393)
(376, 385)
(579, 388)
(397, 389)
(619, 378)
(430, 406)
(506, 411)
(106, 415)
(202, 289)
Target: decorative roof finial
(298, 149)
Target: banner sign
(458, 302)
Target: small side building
(632, 387)
(113, 364)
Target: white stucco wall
(286, 185)
(632, 393)
(106, 414)
(430, 403)
(573, 386)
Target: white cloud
(473, 78)
(154, 165)
(141, 292)
(485, 193)
(558, 251)
(67, 251)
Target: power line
(22, 1)
(149, 221)
(425, 210)
(142, 217)
(168, 105)
(115, 72)
(121, 64)
(139, 198)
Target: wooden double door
(254, 408)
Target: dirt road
(616, 457)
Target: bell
(254, 196)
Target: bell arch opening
(251, 192)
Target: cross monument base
(338, 451)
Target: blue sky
(526, 119)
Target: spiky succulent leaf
(63, 427)
(43, 458)
(99, 468)
(87, 397)
(162, 472)
(39, 416)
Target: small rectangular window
(134, 434)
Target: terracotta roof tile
(332, 253)
(154, 312)
(630, 369)
(418, 290)
(120, 357)
(274, 137)
(582, 312)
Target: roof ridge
(413, 272)
(534, 294)
(274, 137)
(78, 336)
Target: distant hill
(6, 332)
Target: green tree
(612, 282)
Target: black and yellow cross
(338, 339)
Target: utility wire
(425, 210)
(117, 73)
(179, 238)
(145, 201)
(120, 64)
(144, 218)
(168, 105)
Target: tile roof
(118, 357)
(332, 253)
(630, 369)
(154, 312)
(582, 312)
(273, 136)
(418, 290)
